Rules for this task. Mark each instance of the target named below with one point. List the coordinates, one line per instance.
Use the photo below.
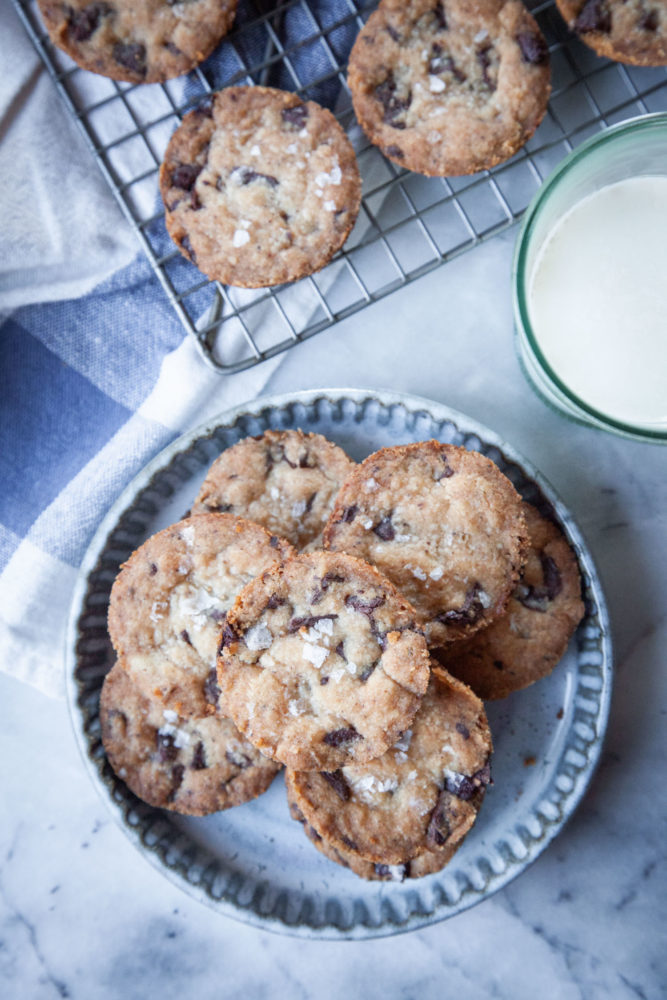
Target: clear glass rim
(641, 123)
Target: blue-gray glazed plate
(253, 863)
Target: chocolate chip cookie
(170, 600)
(194, 766)
(426, 864)
(447, 87)
(321, 662)
(628, 31)
(443, 524)
(259, 187)
(140, 41)
(285, 480)
(527, 642)
(422, 795)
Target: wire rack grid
(408, 224)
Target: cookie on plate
(259, 187)
(628, 31)
(140, 41)
(527, 642)
(285, 480)
(321, 662)
(422, 795)
(425, 864)
(443, 523)
(194, 766)
(448, 88)
(169, 602)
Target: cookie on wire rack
(138, 41)
(627, 31)
(260, 187)
(449, 88)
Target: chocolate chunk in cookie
(273, 187)
(449, 89)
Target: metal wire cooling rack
(408, 224)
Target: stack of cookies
(341, 621)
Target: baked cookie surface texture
(139, 41)
(285, 480)
(195, 766)
(628, 31)
(444, 524)
(425, 864)
(321, 662)
(259, 187)
(529, 639)
(414, 804)
(169, 603)
(449, 87)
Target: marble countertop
(83, 915)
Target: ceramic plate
(254, 863)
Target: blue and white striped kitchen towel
(95, 378)
(90, 391)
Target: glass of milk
(590, 282)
